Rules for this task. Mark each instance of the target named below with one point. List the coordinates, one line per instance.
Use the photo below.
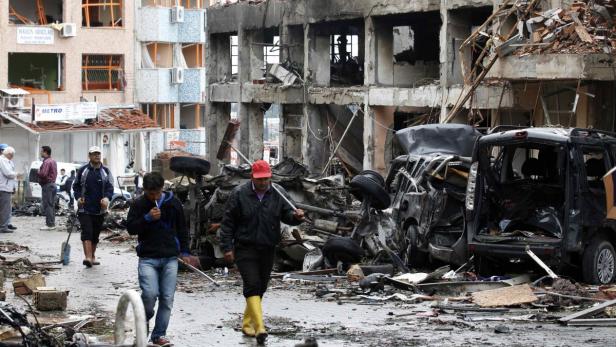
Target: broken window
(343, 48)
(271, 53)
(102, 72)
(234, 54)
(158, 55)
(41, 71)
(192, 116)
(193, 54)
(30, 12)
(162, 114)
(172, 3)
(344, 42)
(102, 13)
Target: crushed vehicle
(542, 188)
(428, 186)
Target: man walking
(93, 189)
(8, 183)
(250, 231)
(157, 218)
(47, 175)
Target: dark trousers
(255, 265)
(48, 203)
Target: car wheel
(190, 166)
(413, 256)
(374, 176)
(598, 263)
(366, 186)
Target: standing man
(63, 177)
(10, 226)
(158, 219)
(8, 183)
(250, 231)
(68, 185)
(47, 175)
(139, 183)
(93, 189)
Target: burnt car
(428, 186)
(542, 188)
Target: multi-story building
(396, 63)
(170, 73)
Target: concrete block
(28, 285)
(50, 299)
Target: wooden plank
(588, 311)
(583, 34)
(508, 296)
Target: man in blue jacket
(157, 218)
(93, 189)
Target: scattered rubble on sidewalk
(26, 286)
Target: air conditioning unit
(177, 14)
(13, 102)
(177, 75)
(69, 30)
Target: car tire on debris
(190, 166)
(598, 263)
(367, 185)
(342, 249)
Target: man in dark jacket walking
(93, 189)
(47, 174)
(157, 218)
(250, 231)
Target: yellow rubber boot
(247, 327)
(254, 306)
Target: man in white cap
(93, 189)
(8, 183)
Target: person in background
(3, 146)
(93, 189)
(68, 188)
(139, 183)
(8, 184)
(47, 175)
(62, 177)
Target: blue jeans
(157, 279)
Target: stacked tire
(369, 184)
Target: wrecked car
(428, 186)
(542, 187)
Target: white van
(34, 191)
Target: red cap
(261, 169)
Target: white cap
(94, 149)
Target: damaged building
(395, 64)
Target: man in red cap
(250, 231)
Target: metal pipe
(199, 272)
(141, 334)
(339, 142)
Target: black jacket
(164, 238)
(251, 222)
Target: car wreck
(542, 188)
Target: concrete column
(291, 126)
(250, 59)
(251, 130)
(218, 116)
(369, 131)
(370, 59)
(292, 39)
(316, 56)
(315, 149)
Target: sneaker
(46, 228)
(162, 342)
(11, 227)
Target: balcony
(155, 25)
(155, 86)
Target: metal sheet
(456, 139)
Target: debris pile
(583, 28)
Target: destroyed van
(428, 186)
(542, 188)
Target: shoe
(247, 327)
(6, 231)
(162, 342)
(87, 263)
(11, 227)
(96, 262)
(256, 313)
(46, 228)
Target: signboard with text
(35, 35)
(65, 112)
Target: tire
(342, 249)
(374, 176)
(366, 186)
(413, 256)
(598, 262)
(190, 166)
